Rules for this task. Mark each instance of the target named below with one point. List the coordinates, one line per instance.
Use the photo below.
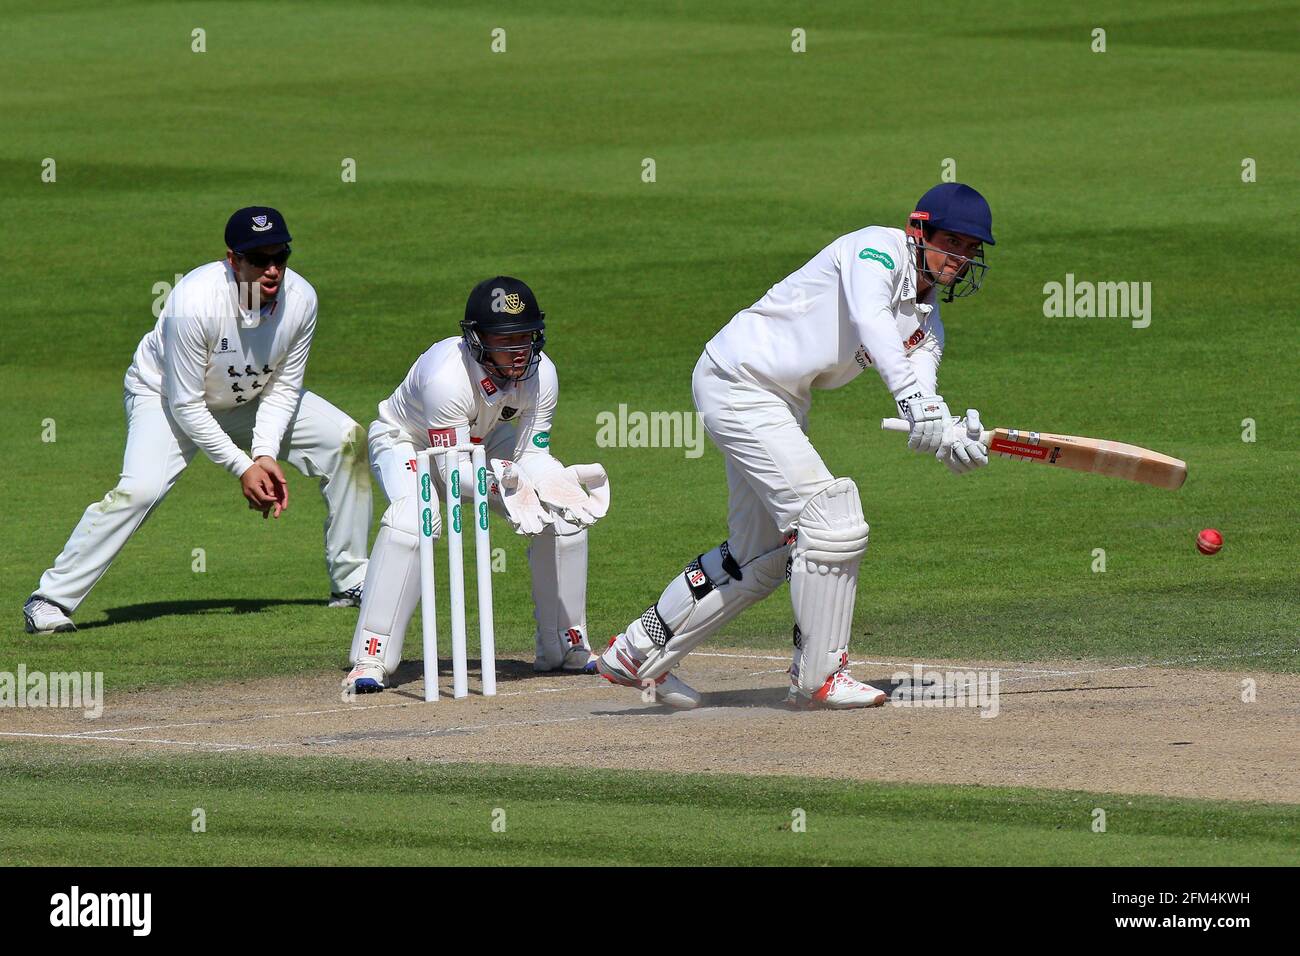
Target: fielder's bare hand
(265, 487)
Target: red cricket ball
(1209, 541)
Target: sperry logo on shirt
(875, 255)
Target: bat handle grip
(901, 425)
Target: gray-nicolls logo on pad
(76, 909)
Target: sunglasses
(263, 259)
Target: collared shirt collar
(248, 319)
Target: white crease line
(146, 740)
(1037, 672)
(352, 708)
(104, 734)
(464, 728)
(361, 737)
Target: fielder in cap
(868, 300)
(222, 373)
(492, 385)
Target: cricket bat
(1101, 457)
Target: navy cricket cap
(255, 226)
(957, 207)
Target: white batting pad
(392, 585)
(710, 592)
(824, 579)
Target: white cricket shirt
(851, 306)
(447, 398)
(207, 353)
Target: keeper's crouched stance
(493, 385)
(867, 299)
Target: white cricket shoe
(619, 665)
(45, 617)
(569, 652)
(349, 598)
(577, 652)
(842, 691)
(366, 677)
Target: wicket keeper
(493, 385)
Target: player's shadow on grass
(156, 609)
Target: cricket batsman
(492, 385)
(869, 299)
(221, 372)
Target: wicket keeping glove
(579, 493)
(523, 508)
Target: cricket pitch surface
(1077, 725)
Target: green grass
(1116, 166)
(59, 810)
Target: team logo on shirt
(508, 413)
(877, 256)
(442, 438)
(489, 388)
(514, 304)
(261, 224)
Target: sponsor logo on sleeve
(442, 437)
(542, 439)
(489, 388)
(876, 255)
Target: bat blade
(1095, 455)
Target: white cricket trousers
(772, 468)
(321, 441)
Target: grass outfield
(267, 811)
(1115, 166)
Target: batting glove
(962, 451)
(929, 418)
